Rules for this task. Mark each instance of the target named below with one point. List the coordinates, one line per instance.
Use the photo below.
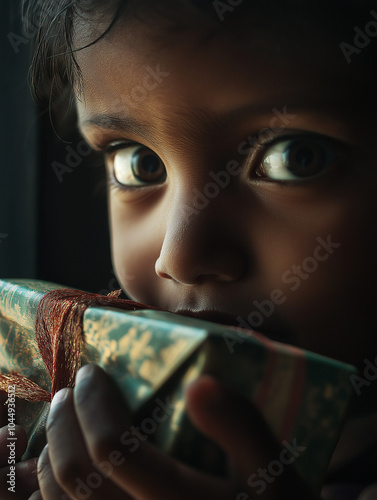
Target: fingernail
(84, 372)
(59, 396)
(44, 451)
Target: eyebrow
(110, 122)
(127, 124)
(195, 116)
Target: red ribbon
(61, 339)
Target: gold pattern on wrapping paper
(10, 308)
(108, 351)
(19, 352)
(179, 404)
(134, 346)
(149, 371)
(97, 331)
(141, 348)
(179, 408)
(174, 351)
(143, 360)
(126, 340)
(18, 311)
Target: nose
(201, 243)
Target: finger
(207, 398)
(141, 470)
(25, 480)
(236, 425)
(19, 440)
(49, 488)
(68, 461)
(25, 473)
(36, 495)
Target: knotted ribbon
(61, 339)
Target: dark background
(51, 228)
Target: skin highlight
(194, 121)
(235, 94)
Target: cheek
(292, 230)
(135, 249)
(326, 268)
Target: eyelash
(254, 156)
(107, 150)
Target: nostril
(160, 272)
(164, 275)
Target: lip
(213, 316)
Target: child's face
(256, 181)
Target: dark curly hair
(54, 67)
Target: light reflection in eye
(137, 166)
(295, 159)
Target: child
(239, 140)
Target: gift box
(153, 355)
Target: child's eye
(295, 159)
(135, 166)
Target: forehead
(150, 66)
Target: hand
(90, 453)
(25, 472)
